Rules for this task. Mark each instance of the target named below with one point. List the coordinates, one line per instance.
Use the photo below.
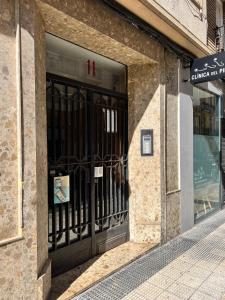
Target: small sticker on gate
(98, 172)
(61, 189)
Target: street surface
(191, 266)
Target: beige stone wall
(23, 257)
(172, 134)
(8, 122)
(144, 172)
(187, 14)
(152, 82)
(176, 20)
(172, 147)
(41, 143)
(116, 39)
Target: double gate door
(87, 165)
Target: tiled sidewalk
(192, 266)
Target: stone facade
(23, 249)
(153, 88)
(143, 56)
(144, 172)
(181, 14)
(8, 132)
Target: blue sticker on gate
(61, 189)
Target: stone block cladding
(152, 82)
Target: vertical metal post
(91, 128)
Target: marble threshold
(77, 280)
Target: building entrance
(88, 166)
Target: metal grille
(68, 154)
(87, 128)
(110, 152)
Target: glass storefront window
(206, 118)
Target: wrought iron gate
(87, 130)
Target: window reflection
(206, 152)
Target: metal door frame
(91, 89)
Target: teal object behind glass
(206, 108)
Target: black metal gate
(87, 133)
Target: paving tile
(161, 281)
(211, 290)
(222, 263)
(202, 296)
(216, 280)
(179, 264)
(219, 252)
(149, 291)
(191, 266)
(190, 280)
(199, 272)
(167, 296)
(181, 290)
(189, 258)
(171, 272)
(207, 265)
(219, 271)
(133, 296)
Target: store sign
(208, 68)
